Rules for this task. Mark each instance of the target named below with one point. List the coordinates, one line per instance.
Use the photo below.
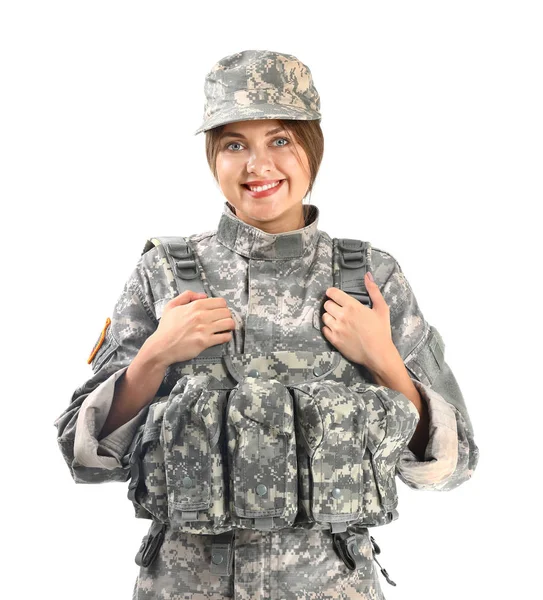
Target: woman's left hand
(360, 333)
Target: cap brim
(256, 112)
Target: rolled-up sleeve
(107, 452)
(93, 459)
(451, 454)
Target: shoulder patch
(100, 341)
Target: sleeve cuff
(441, 454)
(108, 452)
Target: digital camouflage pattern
(274, 286)
(262, 454)
(259, 84)
(287, 564)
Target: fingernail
(370, 276)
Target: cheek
(226, 172)
(300, 172)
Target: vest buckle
(347, 549)
(151, 544)
(352, 253)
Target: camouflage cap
(259, 84)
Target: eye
(232, 144)
(281, 139)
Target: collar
(251, 242)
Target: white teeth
(264, 187)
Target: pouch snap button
(217, 558)
(261, 489)
(253, 373)
(187, 482)
(336, 493)
(317, 371)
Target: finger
(379, 303)
(334, 325)
(210, 303)
(223, 325)
(328, 333)
(217, 314)
(339, 296)
(329, 321)
(186, 297)
(332, 308)
(220, 338)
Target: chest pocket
(262, 455)
(350, 439)
(332, 440)
(178, 471)
(147, 488)
(392, 420)
(192, 439)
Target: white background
(432, 115)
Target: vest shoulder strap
(181, 265)
(178, 261)
(352, 258)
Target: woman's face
(255, 152)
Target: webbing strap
(377, 550)
(135, 467)
(177, 252)
(352, 260)
(180, 257)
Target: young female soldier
(262, 384)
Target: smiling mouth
(246, 185)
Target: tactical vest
(268, 441)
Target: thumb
(375, 293)
(186, 297)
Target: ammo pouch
(349, 441)
(391, 421)
(178, 474)
(262, 455)
(332, 437)
(265, 452)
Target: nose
(259, 161)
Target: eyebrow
(239, 135)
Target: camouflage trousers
(287, 564)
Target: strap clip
(352, 253)
(347, 549)
(186, 268)
(183, 259)
(362, 297)
(151, 544)
(179, 249)
(377, 550)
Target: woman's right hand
(190, 323)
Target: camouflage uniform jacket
(274, 303)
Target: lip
(261, 182)
(264, 193)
